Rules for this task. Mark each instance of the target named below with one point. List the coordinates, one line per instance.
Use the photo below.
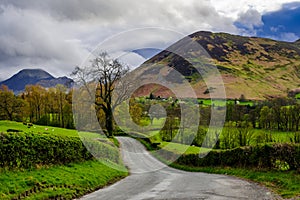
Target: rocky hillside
(258, 68)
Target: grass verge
(58, 182)
(284, 183)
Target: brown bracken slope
(258, 68)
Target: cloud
(132, 13)
(31, 40)
(58, 35)
(233, 8)
(250, 19)
(288, 37)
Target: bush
(28, 150)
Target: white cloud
(233, 8)
(291, 37)
(250, 18)
(57, 35)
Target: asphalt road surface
(151, 179)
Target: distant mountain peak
(38, 73)
(18, 82)
(33, 70)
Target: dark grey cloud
(73, 9)
(32, 39)
(57, 35)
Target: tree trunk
(10, 116)
(109, 122)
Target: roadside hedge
(29, 150)
(268, 156)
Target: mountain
(147, 52)
(257, 68)
(18, 82)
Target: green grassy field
(217, 102)
(255, 134)
(5, 125)
(180, 148)
(278, 136)
(65, 182)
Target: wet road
(151, 179)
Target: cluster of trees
(52, 106)
(282, 114)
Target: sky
(57, 35)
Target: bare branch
(105, 74)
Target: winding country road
(151, 179)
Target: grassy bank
(64, 182)
(42, 162)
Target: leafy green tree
(296, 117)
(136, 112)
(11, 106)
(285, 116)
(265, 120)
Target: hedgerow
(29, 150)
(269, 156)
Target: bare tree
(106, 73)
